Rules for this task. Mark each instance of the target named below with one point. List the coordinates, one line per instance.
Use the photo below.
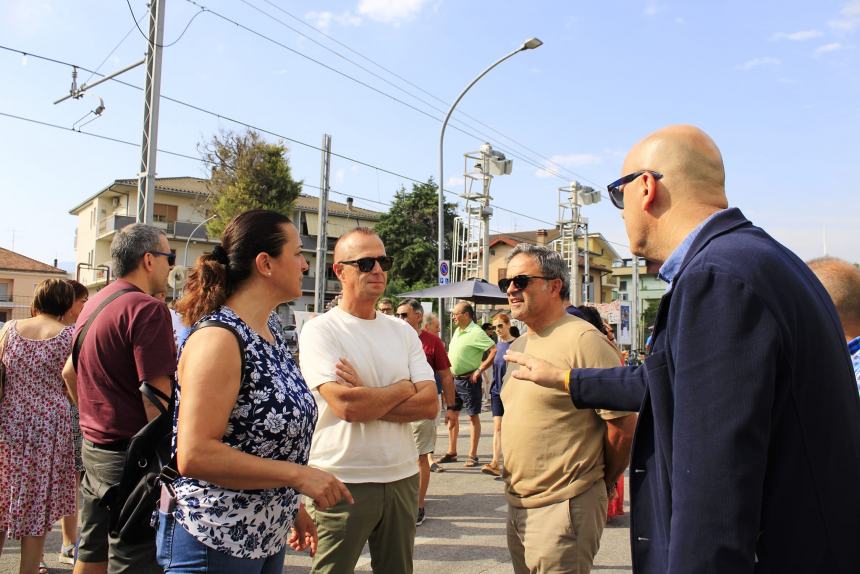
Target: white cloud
(652, 9)
(799, 36)
(323, 20)
(550, 168)
(393, 12)
(679, 20)
(339, 176)
(849, 17)
(757, 62)
(28, 16)
(832, 47)
(454, 181)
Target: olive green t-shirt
(552, 450)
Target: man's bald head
(842, 281)
(345, 248)
(689, 160)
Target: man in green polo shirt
(466, 352)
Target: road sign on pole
(444, 272)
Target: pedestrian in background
(502, 326)
(37, 463)
(842, 282)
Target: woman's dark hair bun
(220, 255)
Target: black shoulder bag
(149, 464)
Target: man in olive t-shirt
(559, 461)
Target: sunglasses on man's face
(616, 188)
(520, 281)
(366, 264)
(171, 257)
(401, 315)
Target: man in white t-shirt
(370, 379)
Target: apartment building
(601, 254)
(19, 276)
(180, 210)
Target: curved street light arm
(527, 45)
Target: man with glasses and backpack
(370, 378)
(123, 338)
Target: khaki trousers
(561, 538)
(383, 515)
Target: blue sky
(775, 83)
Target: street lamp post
(529, 44)
(190, 235)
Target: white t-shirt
(383, 350)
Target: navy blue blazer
(746, 456)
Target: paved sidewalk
(464, 531)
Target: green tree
(649, 315)
(247, 173)
(409, 231)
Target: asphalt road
(464, 531)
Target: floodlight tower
(472, 234)
(571, 222)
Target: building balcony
(183, 230)
(331, 286)
(309, 243)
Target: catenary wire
(419, 88)
(269, 132)
(145, 37)
(370, 87)
(405, 91)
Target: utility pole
(634, 310)
(586, 272)
(152, 98)
(322, 233)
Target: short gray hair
(416, 306)
(130, 244)
(550, 262)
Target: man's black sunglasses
(616, 193)
(520, 281)
(402, 315)
(171, 257)
(366, 264)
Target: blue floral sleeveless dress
(274, 417)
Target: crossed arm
(403, 401)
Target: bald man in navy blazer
(746, 456)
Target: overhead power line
(376, 90)
(146, 37)
(410, 83)
(249, 126)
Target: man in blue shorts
(466, 350)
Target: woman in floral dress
(37, 482)
(242, 435)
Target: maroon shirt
(130, 341)
(434, 349)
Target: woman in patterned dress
(37, 483)
(69, 523)
(242, 437)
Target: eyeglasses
(401, 315)
(520, 281)
(366, 264)
(616, 193)
(171, 257)
(499, 326)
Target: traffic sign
(444, 272)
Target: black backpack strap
(79, 340)
(170, 471)
(153, 395)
